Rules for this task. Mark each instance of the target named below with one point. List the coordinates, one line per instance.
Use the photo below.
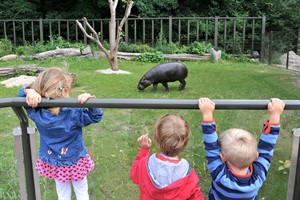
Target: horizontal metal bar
(232, 104)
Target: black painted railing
(29, 183)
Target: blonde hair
(53, 83)
(171, 134)
(239, 147)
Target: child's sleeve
(266, 144)
(21, 92)
(212, 147)
(86, 117)
(134, 171)
(30, 111)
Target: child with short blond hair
(164, 175)
(237, 164)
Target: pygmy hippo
(164, 73)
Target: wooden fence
(238, 35)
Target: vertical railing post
(262, 38)
(31, 132)
(17, 133)
(19, 111)
(293, 192)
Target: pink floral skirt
(64, 174)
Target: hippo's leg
(154, 87)
(165, 84)
(182, 84)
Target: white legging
(64, 190)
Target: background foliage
(281, 14)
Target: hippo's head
(144, 82)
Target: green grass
(112, 143)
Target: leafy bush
(135, 48)
(5, 47)
(54, 42)
(151, 57)
(240, 59)
(25, 50)
(199, 48)
(58, 41)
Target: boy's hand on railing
(32, 98)
(84, 97)
(207, 108)
(144, 141)
(275, 108)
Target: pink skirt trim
(64, 174)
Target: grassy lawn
(112, 143)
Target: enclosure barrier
(29, 185)
(236, 35)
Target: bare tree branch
(94, 38)
(115, 4)
(127, 13)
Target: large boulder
(294, 59)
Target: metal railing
(29, 184)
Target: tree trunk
(114, 32)
(114, 60)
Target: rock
(86, 51)
(9, 57)
(215, 55)
(19, 81)
(294, 59)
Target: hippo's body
(164, 73)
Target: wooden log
(7, 71)
(30, 68)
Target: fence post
(126, 31)
(298, 42)
(170, 29)
(287, 60)
(293, 192)
(216, 33)
(15, 36)
(84, 37)
(41, 30)
(262, 38)
(270, 47)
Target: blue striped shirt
(226, 185)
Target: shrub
(151, 57)
(5, 47)
(199, 48)
(58, 41)
(135, 48)
(25, 50)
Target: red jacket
(182, 189)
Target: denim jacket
(61, 142)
